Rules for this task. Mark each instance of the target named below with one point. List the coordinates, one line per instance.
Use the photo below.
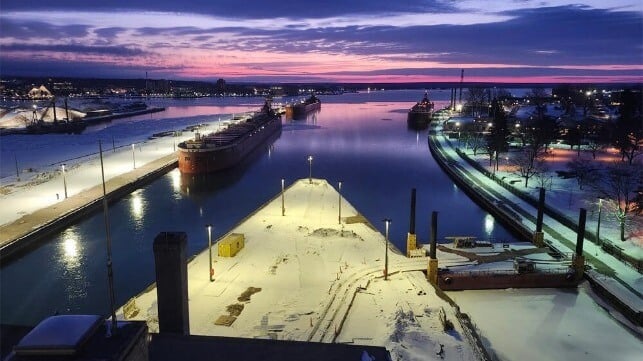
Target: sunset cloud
(333, 41)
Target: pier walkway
(22, 232)
(35, 205)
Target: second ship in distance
(300, 109)
(420, 114)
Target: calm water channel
(361, 139)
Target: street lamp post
(211, 270)
(283, 205)
(387, 222)
(64, 179)
(133, 157)
(15, 157)
(339, 217)
(310, 169)
(598, 224)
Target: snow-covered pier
(21, 233)
(300, 275)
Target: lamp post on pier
(211, 270)
(387, 222)
(598, 224)
(64, 179)
(310, 169)
(15, 158)
(133, 157)
(283, 206)
(339, 192)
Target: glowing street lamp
(64, 179)
(598, 224)
(339, 217)
(211, 271)
(283, 206)
(133, 157)
(310, 169)
(387, 222)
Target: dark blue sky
(368, 41)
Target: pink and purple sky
(326, 41)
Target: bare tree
(594, 147)
(628, 132)
(497, 140)
(538, 96)
(527, 164)
(475, 100)
(476, 141)
(583, 170)
(543, 178)
(630, 144)
(619, 185)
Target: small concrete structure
(172, 282)
(231, 245)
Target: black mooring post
(412, 221)
(170, 260)
(541, 209)
(581, 231)
(434, 234)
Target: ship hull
(201, 161)
(418, 120)
(75, 127)
(300, 110)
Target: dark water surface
(360, 139)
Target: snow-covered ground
(308, 268)
(322, 281)
(565, 195)
(511, 310)
(549, 324)
(562, 194)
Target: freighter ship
(225, 148)
(299, 110)
(420, 114)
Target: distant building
(40, 93)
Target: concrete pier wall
(23, 234)
(504, 217)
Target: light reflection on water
(176, 183)
(72, 256)
(69, 248)
(489, 222)
(136, 205)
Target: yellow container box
(231, 244)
